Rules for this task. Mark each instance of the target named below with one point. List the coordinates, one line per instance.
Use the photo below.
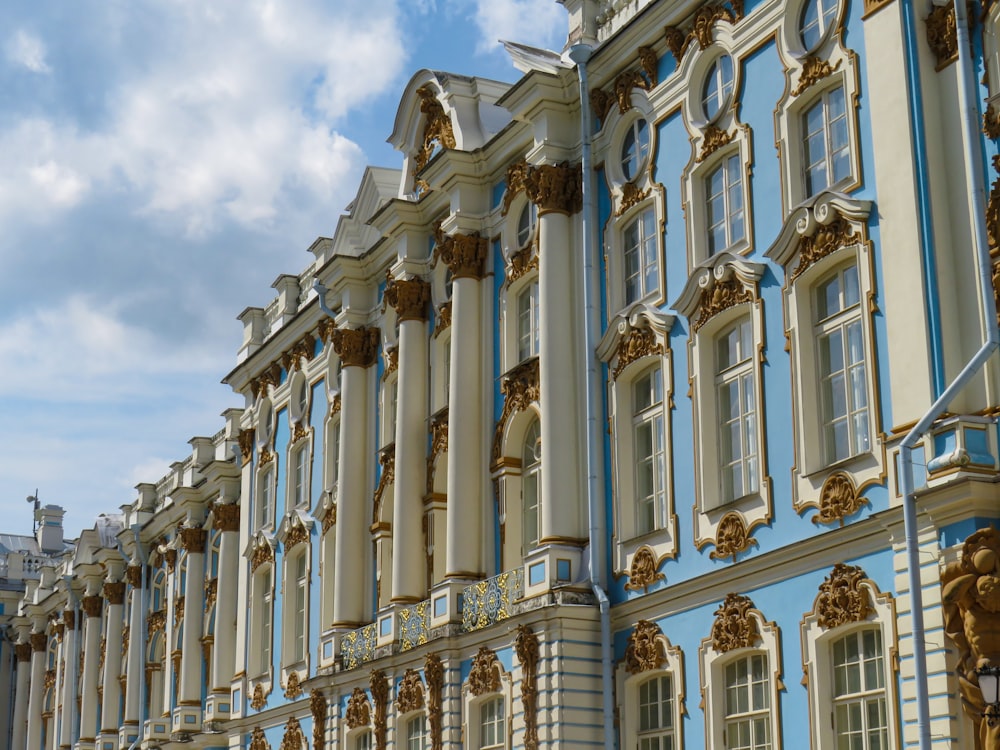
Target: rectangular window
(649, 450)
(299, 609)
(641, 267)
(737, 411)
(748, 716)
(825, 142)
(527, 323)
(416, 733)
(724, 188)
(265, 516)
(263, 601)
(491, 725)
(859, 708)
(300, 473)
(656, 714)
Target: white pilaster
(193, 541)
(22, 681)
(70, 657)
(36, 694)
(134, 659)
(91, 609)
(114, 593)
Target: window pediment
(818, 228)
(260, 549)
(294, 528)
(723, 281)
(639, 331)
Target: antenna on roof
(33, 499)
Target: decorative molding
(114, 592)
(258, 698)
(410, 694)
(155, 622)
(521, 262)
(520, 387)
(92, 606)
(226, 517)
(621, 90)
(192, 539)
(555, 188)
(825, 240)
(293, 739)
(69, 619)
(269, 378)
(942, 34)
(722, 296)
(356, 347)
(993, 211)
(838, 499)
(526, 647)
(330, 516)
(335, 404)
(318, 707)
(38, 641)
(258, 741)
(644, 651)
(246, 441)
(437, 127)
(408, 297)
(293, 688)
(439, 444)
(170, 558)
(178, 610)
(991, 122)
(434, 674)
(643, 573)
(126, 631)
(133, 574)
(211, 592)
(297, 534)
(442, 319)
(485, 674)
(358, 711)
(713, 139)
(390, 360)
(734, 627)
(301, 351)
(516, 174)
(678, 41)
(325, 328)
(841, 598)
(640, 342)
(262, 553)
(731, 537)
(814, 69)
(387, 460)
(380, 696)
(464, 254)
(631, 196)
(22, 652)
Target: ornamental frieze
(942, 34)
(520, 387)
(318, 708)
(387, 460)
(114, 592)
(838, 499)
(712, 140)
(526, 648)
(485, 674)
(293, 738)
(437, 127)
(722, 296)
(226, 517)
(643, 573)
(734, 626)
(841, 599)
(408, 297)
(827, 238)
(92, 606)
(258, 741)
(644, 651)
(679, 41)
(814, 69)
(640, 342)
(246, 440)
(358, 711)
(356, 347)
(293, 688)
(731, 537)
(434, 674)
(192, 539)
(555, 188)
(410, 696)
(464, 254)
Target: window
(649, 437)
(391, 403)
(300, 475)
(842, 376)
(526, 224)
(826, 157)
(300, 582)
(527, 322)
(718, 88)
(747, 704)
(364, 741)
(261, 645)
(265, 506)
(531, 481)
(737, 411)
(641, 266)
(635, 149)
(859, 709)
(724, 202)
(656, 714)
(816, 19)
(416, 733)
(492, 731)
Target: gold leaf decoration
(838, 499)
(526, 647)
(644, 651)
(734, 627)
(358, 711)
(814, 69)
(841, 599)
(643, 573)
(485, 674)
(825, 240)
(713, 139)
(722, 296)
(732, 537)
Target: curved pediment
(832, 215)
(722, 279)
(637, 331)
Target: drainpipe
(974, 184)
(144, 607)
(580, 54)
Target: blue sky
(161, 162)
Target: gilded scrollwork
(712, 140)
(841, 598)
(526, 647)
(516, 175)
(838, 499)
(358, 709)
(825, 240)
(437, 127)
(734, 626)
(601, 103)
(258, 741)
(485, 674)
(22, 652)
(631, 196)
(226, 517)
(258, 698)
(640, 342)
(678, 41)
(92, 606)
(942, 34)
(380, 696)
(192, 539)
(178, 610)
(356, 347)
(434, 674)
(643, 571)
(521, 262)
(520, 387)
(991, 122)
(442, 318)
(387, 460)
(439, 444)
(114, 592)
(262, 553)
(38, 641)
(318, 708)
(410, 696)
(294, 738)
(814, 69)
(211, 592)
(408, 297)
(155, 622)
(722, 296)
(299, 353)
(246, 440)
(555, 188)
(644, 651)
(297, 534)
(731, 537)
(293, 687)
(464, 254)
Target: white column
(465, 255)
(193, 542)
(114, 592)
(70, 657)
(92, 607)
(227, 520)
(410, 299)
(134, 666)
(36, 695)
(19, 728)
(356, 349)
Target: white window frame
(650, 416)
(531, 476)
(390, 407)
(266, 485)
(299, 466)
(262, 622)
(633, 162)
(741, 375)
(825, 161)
(526, 312)
(727, 222)
(405, 725)
(629, 686)
(295, 628)
(646, 250)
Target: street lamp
(989, 686)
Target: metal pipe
(974, 184)
(580, 54)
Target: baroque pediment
(638, 331)
(721, 282)
(818, 227)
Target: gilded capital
(69, 618)
(22, 651)
(464, 254)
(133, 574)
(38, 641)
(408, 297)
(226, 517)
(193, 539)
(555, 188)
(114, 592)
(356, 347)
(92, 605)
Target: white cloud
(27, 50)
(541, 23)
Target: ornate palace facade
(586, 426)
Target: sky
(161, 163)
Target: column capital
(133, 574)
(464, 254)
(555, 188)
(92, 606)
(356, 347)
(38, 641)
(226, 517)
(192, 539)
(22, 651)
(114, 592)
(408, 297)
(69, 618)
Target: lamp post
(989, 686)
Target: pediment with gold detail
(294, 528)
(260, 549)
(721, 282)
(817, 229)
(639, 331)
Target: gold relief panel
(178, 610)
(734, 627)
(631, 196)
(838, 499)
(721, 296)
(69, 619)
(325, 328)
(22, 652)
(38, 641)
(246, 440)
(555, 188)
(114, 592)
(640, 342)
(993, 211)
(300, 353)
(318, 707)
(390, 358)
(439, 444)
(732, 537)
(410, 696)
(643, 571)
(192, 539)
(942, 34)
(485, 674)
(434, 674)
(516, 176)
(170, 558)
(293, 739)
(293, 688)
(262, 553)
(826, 239)
(841, 598)
(814, 69)
(226, 517)
(991, 122)
(700, 30)
(387, 460)
(92, 606)
(297, 534)
(526, 647)
(133, 574)
(464, 254)
(520, 388)
(269, 378)
(358, 711)
(621, 90)
(521, 262)
(155, 622)
(645, 650)
(258, 698)
(712, 140)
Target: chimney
(50, 528)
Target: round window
(635, 149)
(526, 224)
(718, 87)
(817, 18)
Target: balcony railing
(358, 646)
(414, 625)
(488, 602)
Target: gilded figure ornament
(133, 574)
(22, 652)
(734, 627)
(170, 558)
(408, 297)
(442, 320)
(439, 444)
(826, 239)
(226, 517)
(722, 296)
(647, 61)
(643, 573)
(49, 681)
(640, 342)
(114, 592)
(555, 188)
(631, 196)
(262, 553)
(437, 127)
(92, 605)
(485, 674)
(246, 444)
(814, 69)
(434, 674)
(387, 459)
(356, 347)
(38, 641)
(390, 356)
(297, 534)
(942, 34)
(713, 139)
(679, 41)
(464, 254)
(193, 539)
(731, 537)
(293, 739)
(258, 698)
(258, 741)
(516, 174)
(991, 122)
(293, 689)
(318, 708)
(520, 387)
(526, 647)
(601, 103)
(841, 599)
(521, 262)
(410, 696)
(644, 651)
(324, 328)
(970, 593)
(358, 711)
(838, 499)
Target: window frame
(295, 621)
(649, 270)
(261, 659)
(629, 686)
